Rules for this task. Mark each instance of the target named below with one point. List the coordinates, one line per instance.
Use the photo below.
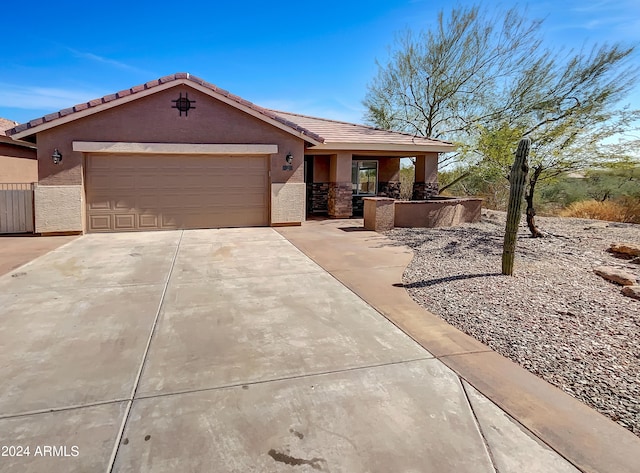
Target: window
(364, 177)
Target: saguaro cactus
(517, 180)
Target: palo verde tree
(485, 81)
(445, 82)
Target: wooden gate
(16, 208)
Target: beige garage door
(129, 193)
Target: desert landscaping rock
(555, 316)
(632, 291)
(630, 249)
(616, 275)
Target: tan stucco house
(18, 159)
(179, 152)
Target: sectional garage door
(142, 192)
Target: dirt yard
(554, 317)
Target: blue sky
(311, 57)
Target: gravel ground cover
(554, 317)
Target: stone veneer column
(389, 189)
(340, 193)
(426, 182)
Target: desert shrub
(563, 192)
(407, 177)
(625, 209)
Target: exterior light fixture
(56, 156)
(289, 158)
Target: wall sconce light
(289, 158)
(56, 156)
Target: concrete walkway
(371, 265)
(230, 350)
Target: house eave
(22, 144)
(384, 147)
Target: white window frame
(357, 163)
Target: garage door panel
(148, 221)
(100, 222)
(124, 222)
(128, 193)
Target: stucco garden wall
(381, 214)
(59, 208)
(437, 213)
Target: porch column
(426, 182)
(340, 194)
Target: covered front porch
(337, 182)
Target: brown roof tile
(334, 131)
(66, 111)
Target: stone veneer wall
(339, 202)
(424, 190)
(318, 197)
(389, 189)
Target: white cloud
(107, 61)
(43, 98)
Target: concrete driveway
(226, 351)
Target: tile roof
(150, 85)
(6, 124)
(320, 131)
(334, 131)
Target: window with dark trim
(364, 177)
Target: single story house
(179, 152)
(18, 159)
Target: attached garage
(142, 192)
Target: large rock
(629, 249)
(616, 275)
(632, 291)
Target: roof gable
(182, 78)
(320, 133)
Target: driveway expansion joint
(283, 378)
(476, 421)
(136, 383)
(61, 409)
